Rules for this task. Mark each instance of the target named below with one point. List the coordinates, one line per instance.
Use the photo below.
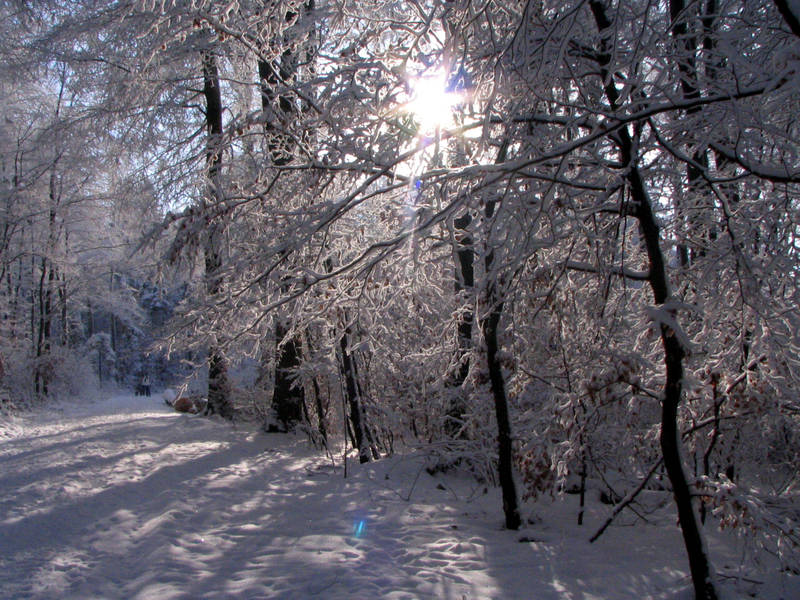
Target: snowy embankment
(127, 499)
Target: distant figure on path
(146, 385)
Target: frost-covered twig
(626, 500)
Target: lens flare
(360, 528)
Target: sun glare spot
(432, 104)
(359, 528)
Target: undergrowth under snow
(125, 498)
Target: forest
(553, 244)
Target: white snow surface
(124, 498)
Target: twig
(626, 501)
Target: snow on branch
(664, 316)
(778, 174)
(612, 270)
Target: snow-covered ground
(127, 499)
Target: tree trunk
(322, 427)
(673, 388)
(46, 285)
(287, 398)
(686, 49)
(112, 317)
(43, 334)
(218, 387)
(464, 285)
(497, 382)
(673, 352)
(490, 325)
(62, 298)
(360, 430)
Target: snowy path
(127, 499)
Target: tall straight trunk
(360, 431)
(464, 286)
(699, 564)
(15, 284)
(43, 348)
(112, 317)
(465, 283)
(288, 399)
(686, 47)
(355, 425)
(48, 310)
(43, 332)
(46, 284)
(271, 75)
(505, 468)
(62, 299)
(218, 388)
(490, 324)
(89, 319)
(322, 428)
(464, 259)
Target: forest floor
(125, 498)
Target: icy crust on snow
(128, 499)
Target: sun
(432, 104)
